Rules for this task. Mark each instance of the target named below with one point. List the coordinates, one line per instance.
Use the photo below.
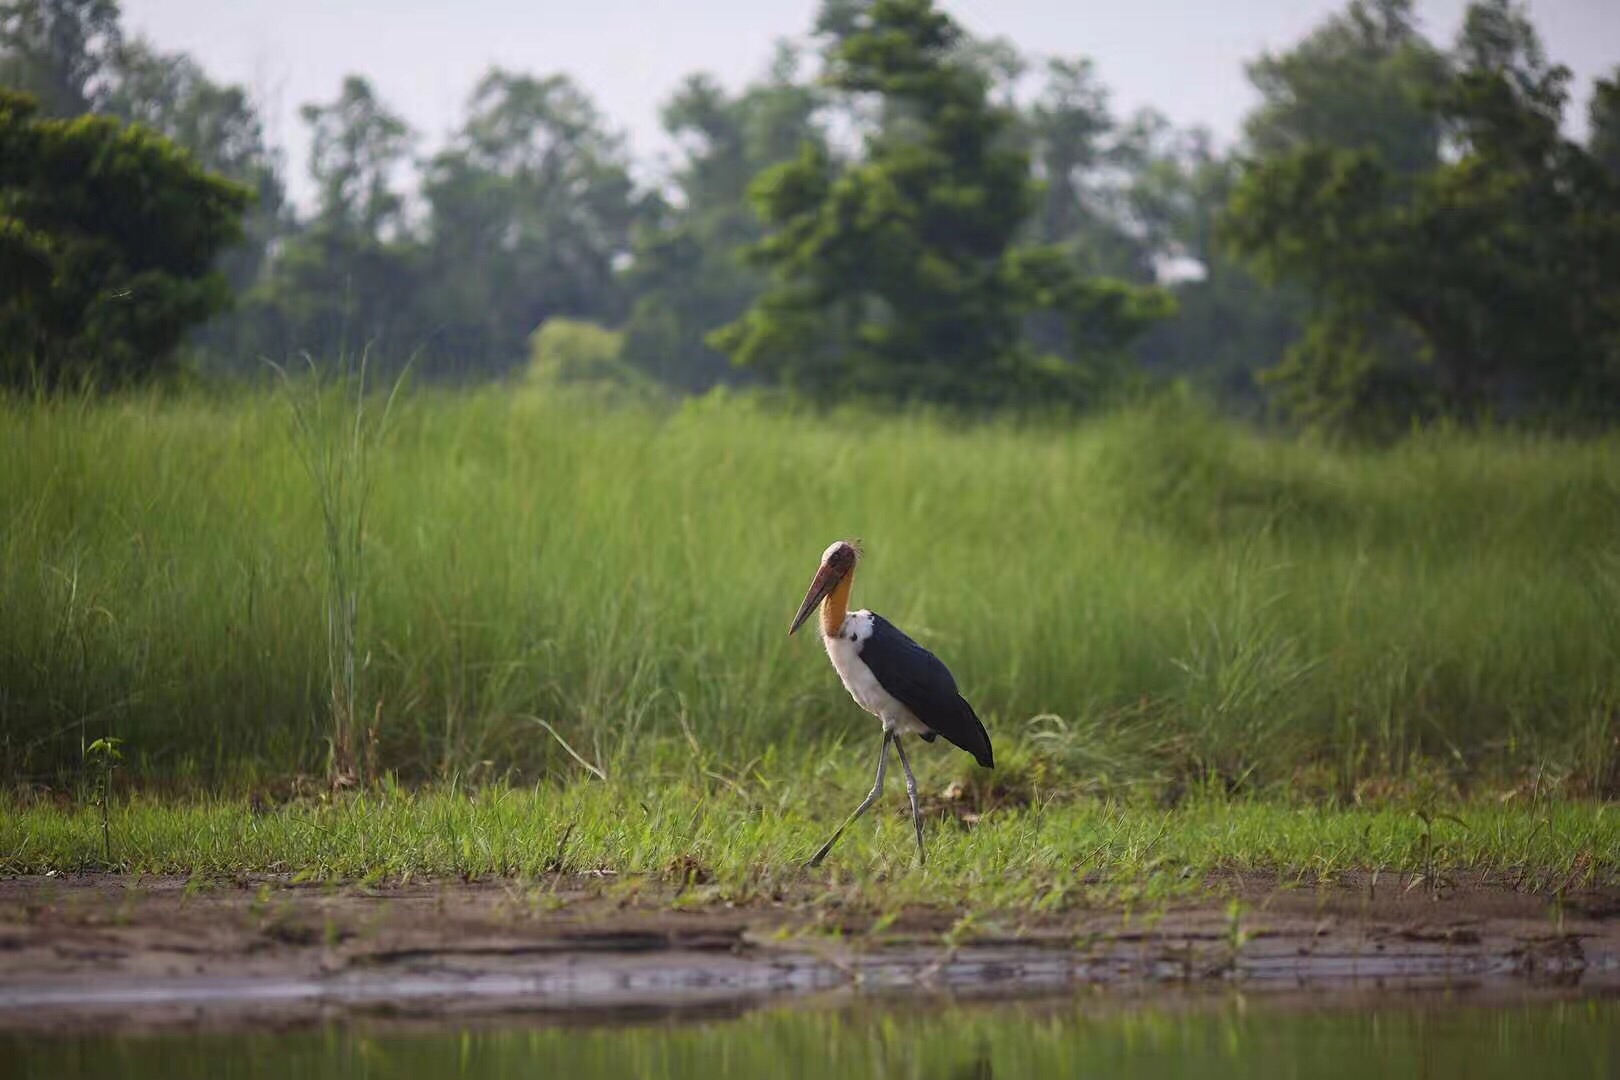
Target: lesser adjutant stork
(890, 676)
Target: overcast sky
(1184, 57)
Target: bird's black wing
(924, 685)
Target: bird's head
(836, 564)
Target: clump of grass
(1183, 601)
(336, 432)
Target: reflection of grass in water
(1181, 602)
(745, 841)
(1193, 1037)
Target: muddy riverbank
(94, 951)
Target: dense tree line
(1462, 254)
(893, 209)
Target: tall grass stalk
(335, 434)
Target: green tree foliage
(930, 216)
(220, 126)
(358, 147)
(57, 50)
(1364, 80)
(1603, 120)
(529, 211)
(1137, 199)
(898, 275)
(74, 55)
(1489, 281)
(348, 282)
(687, 275)
(1228, 323)
(531, 208)
(108, 240)
(1086, 159)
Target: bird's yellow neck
(836, 606)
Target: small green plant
(104, 756)
(1429, 875)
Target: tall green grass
(1154, 594)
(335, 435)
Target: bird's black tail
(967, 732)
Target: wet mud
(99, 952)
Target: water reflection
(1231, 1037)
(977, 1069)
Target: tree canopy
(57, 51)
(900, 273)
(687, 275)
(108, 241)
(1487, 281)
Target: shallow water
(1092, 1035)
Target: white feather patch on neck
(844, 650)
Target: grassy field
(1152, 601)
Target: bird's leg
(871, 797)
(911, 793)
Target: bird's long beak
(825, 581)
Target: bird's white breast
(844, 649)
